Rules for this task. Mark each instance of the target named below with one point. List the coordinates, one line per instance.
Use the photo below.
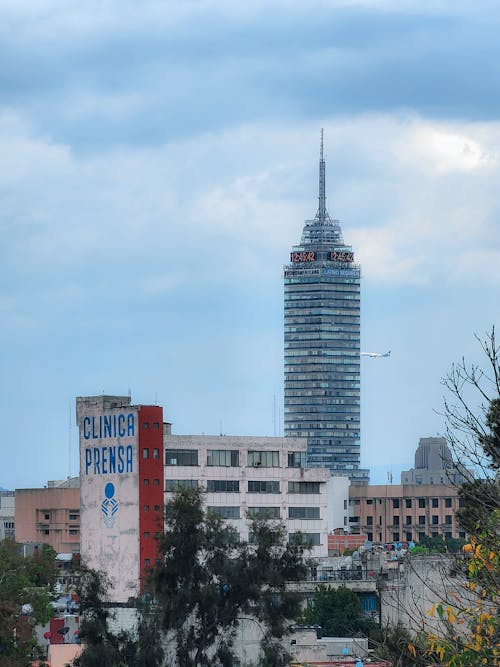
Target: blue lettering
(129, 458)
(130, 423)
(112, 460)
(88, 460)
(121, 425)
(97, 470)
(104, 460)
(94, 434)
(107, 426)
(121, 462)
(86, 431)
(114, 426)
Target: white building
(246, 475)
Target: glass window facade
(223, 486)
(263, 459)
(231, 512)
(181, 457)
(263, 486)
(322, 345)
(264, 512)
(228, 458)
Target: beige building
(50, 515)
(403, 512)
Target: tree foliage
(24, 581)
(338, 612)
(469, 626)
(103, 648)
(208, 580)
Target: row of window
(234, 512)
(229, 458)
(408, 502)
(409, 536)
(448, 519)
(233, 486)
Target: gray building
(434, 465)
(322, 344)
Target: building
(121, 485)
(322, 345)
(249, 476)
(434, 465)
(50, 515)
(7, 515)
(404, 512)
(130, 464)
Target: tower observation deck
(322, 344)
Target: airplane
(374, 355)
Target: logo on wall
(109, 505)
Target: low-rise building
(404, 512)
(50, 515)
(7, 515)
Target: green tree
(24, 581)
(208, 580)
(103, 648)
(338, 612)
(469, 625)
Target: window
(146, 482)
(309, 539)
(395, 521)
(369, 537)
(395, 503)
(434, 534)
(297, 459)
(409, 537)
(73, 531)
(181, 457)
(146, 534)
(157, 507)
(229, 458)
(145, 453)
(231, 512)
(223, 486)
(263, 459)
(447, 502)
(156, 425)
(435, 519)
(74, 517)
(421, 520)
(461, 502)
(145, 425)
(408, 503)
(147, 562)
(156, 482)
(266, 512)
(156, 453)
(46, 517)
(303, 512)
(303, 487)
(461, 534)
(448, 519)
(435, 502)
(146, 508)
(369, 501)
(408, 520)
(421, 536)
(263, 486)
(345, 504)
(369, 520)
(174, 484)
(395, 537)
(447, 535)
(421, 502)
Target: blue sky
(157, 161)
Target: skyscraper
(322, 344)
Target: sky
(157, 162)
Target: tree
(103, 648)
(469, 625)
(26, 583)
(338, 612)
(208, 581)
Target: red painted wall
(151, 487)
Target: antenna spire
(322, 214)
